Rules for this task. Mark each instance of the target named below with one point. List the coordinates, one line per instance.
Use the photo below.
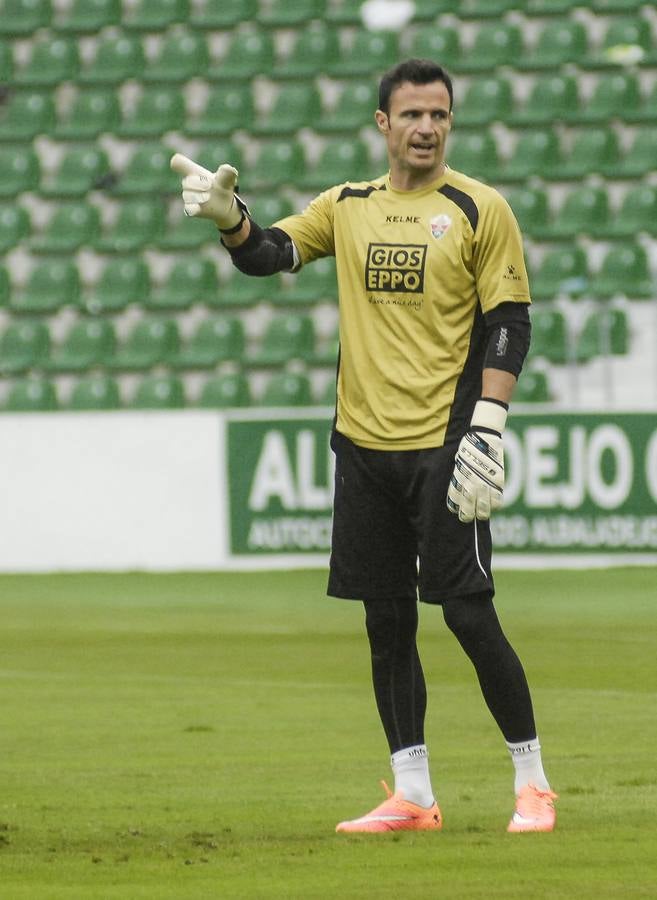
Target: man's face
(416, 130)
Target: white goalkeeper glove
(477, 483)
(210, 195)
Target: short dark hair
(417, 71)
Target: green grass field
(198, 736)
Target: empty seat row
(604, 332)
(93, 342)
(165, 391)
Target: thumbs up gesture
(209, 195)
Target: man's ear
(382, 121)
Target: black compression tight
(399, 685)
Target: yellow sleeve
(312, 230)
(499, 262)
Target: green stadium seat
(32, 395)
(624, 272)
(639, 159)
(549, 7)
(327, 396)
(605, 332)
(531, 209)
(228, 108)
(495, 44)
(297, 105)
(144, 15)
(427, 10)
(5, 286)
(52, 60)
(123, 282)
(181, 57)
(6, 63)
(184, 233)
(326, 353)
(51, 285)
(552, 98)
(623, 36)
(217, 339)
(278, 162)
(550, 335)
(267, 210)
(148, 172)
(594, 151)
(23, 346)
(313, 49)
(344, 12)
(442, 44)
(615, 96)
(637, 214)
(191, 281)
(21, 18)
(287, 389)
(139, 223)
(151, 341)
(15, 225)
(216, 152)
(474, 154)
(96, 391)
(217, 15)
(354, 109)
(159, 391)
(368, 53)
(88, 16)
(26, 115)
(486, 100)
(82, 169)
(607, 7)
(72, 225)
(244, 291)
(537, 152)
(312, 284)
(19, 170)
(585, 210)
(288, 336)
(283, 14)
(563, 272)
(118, 58)
(341, 159)
(94, 111)
(88, 343)
(646, 112)
(250, 52)
(559, 42)
(156, 111)
(485, 9)
(225, 391)
(532, 387)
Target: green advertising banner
(575, 483)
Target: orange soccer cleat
(395, 814)
(534, 810)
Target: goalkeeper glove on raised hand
(477, 482)
(210, 195)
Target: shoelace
(534, 803)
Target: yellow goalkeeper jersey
(416, 271)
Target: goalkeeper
(434, 328)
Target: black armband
(265, 252)
(508, 332)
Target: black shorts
(393, 536)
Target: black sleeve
(265, 252)
(508, 332)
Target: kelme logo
(397, 268)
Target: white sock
(411, 769)
(527, 762)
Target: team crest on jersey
(440, 225)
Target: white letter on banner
(273, 476)
(572, 493)
(540, 465)
(610, 437)
(651, 465)
(310, 495)
(514, 469)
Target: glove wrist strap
(489, 415)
